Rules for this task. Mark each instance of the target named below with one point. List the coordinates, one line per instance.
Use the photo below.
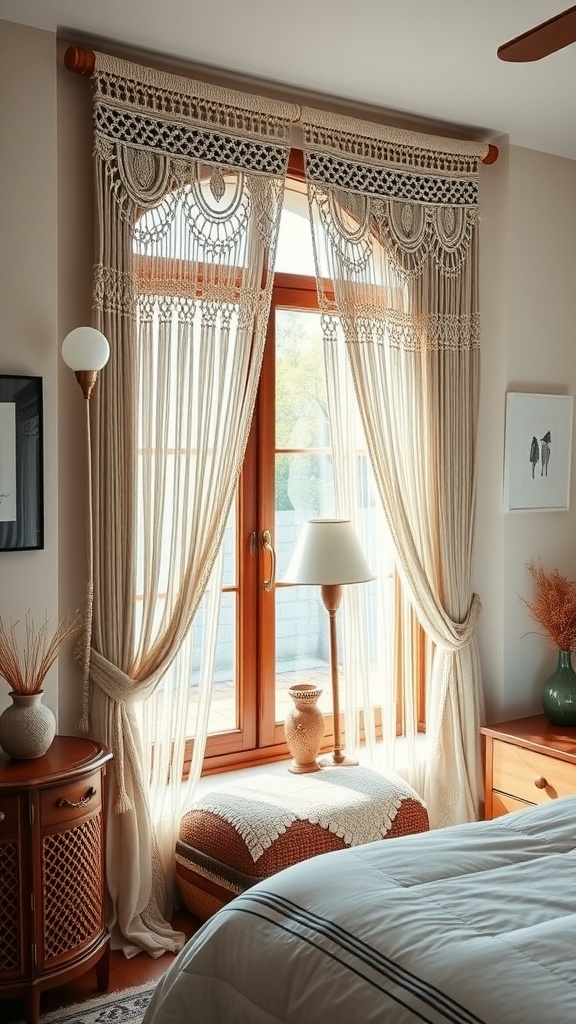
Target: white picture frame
(537, 452)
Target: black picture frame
(21, 463)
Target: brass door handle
(268, 546)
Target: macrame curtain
(395, 227)
(379, 664)
(189, 187)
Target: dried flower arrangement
(25, 669)
(554, 606)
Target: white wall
(528, 298)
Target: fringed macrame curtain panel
(189, 188)
(395, 230)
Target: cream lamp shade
(85, 348)
(328, 552)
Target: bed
(473, 923)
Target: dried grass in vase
(554, 607)
(25, 668)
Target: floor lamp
(85, 350)
(328, 554)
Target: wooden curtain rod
(81, 62)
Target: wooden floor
(123, 974)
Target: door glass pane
(294, 252)
(223, 715)
(304, 489)
(302, 645)
(229, 568)
(224, 704)
(301, 401)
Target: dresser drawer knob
(2, 815)
(63, 802)
(540, 782)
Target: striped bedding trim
(424, 1000)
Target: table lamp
(328, 555)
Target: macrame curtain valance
(175, 121)
(418, 194)
(395, 218)
(209, 158)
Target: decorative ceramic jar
(304, 728)
(558, 694)
(27, 727)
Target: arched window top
(163, 230)
(294, 254)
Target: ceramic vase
(304, 728)
(558, 694)
(27, 726)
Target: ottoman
(240, 833)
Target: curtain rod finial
(79, 61)
(492, 154)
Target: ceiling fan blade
(542, 40)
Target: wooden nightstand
(52, 886)
(528, 761)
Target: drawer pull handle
(63, 802)
(2, 815)
(540, 782)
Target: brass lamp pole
(85, 350)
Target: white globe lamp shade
(85, 348)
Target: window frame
(258, 738)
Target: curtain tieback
(124, 692)
(462, 633)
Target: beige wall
(28, 293)
(528, 295)
(528, 314)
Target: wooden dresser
(52, 884)
(528, 761)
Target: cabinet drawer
(503, 804)
(8, 814)
(70, 801)
(530, 775)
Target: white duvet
(475, 923)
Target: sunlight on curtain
(379, 672)
(397, 265)
(188, 213)
(379, 669)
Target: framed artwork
(538, 451)
(21, 463)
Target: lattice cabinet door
(14, 924)
(52, 876)
(71, 858)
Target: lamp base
(337, 761)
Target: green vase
(558, 694)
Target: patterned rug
(125, 1007)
